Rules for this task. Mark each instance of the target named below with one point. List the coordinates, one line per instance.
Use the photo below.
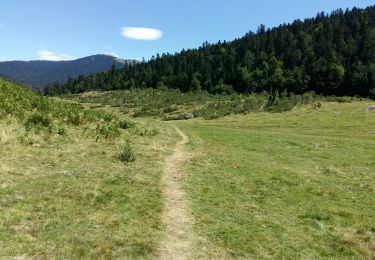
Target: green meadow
(82, 177)
(298, 184)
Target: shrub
(107, 131)
(126, 153)
(125, 124)
(170, 108)
(38, 119)
(75, 118)
(223, 89)
(153, 132)
(61, 129)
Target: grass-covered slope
(78, 192)
(298, 184)
(28, 107)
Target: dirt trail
(179, 241)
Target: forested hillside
(331, 54)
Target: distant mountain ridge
(39, 73)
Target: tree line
(331, 54)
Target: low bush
(170, 104)
(41, 113)
(126, 152)
(61, 129)
(143, 131)
(37, 119)
(107, 131)
(125, 124)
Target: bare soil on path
(179, 241)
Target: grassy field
(84, 180)
(67, 194)
(299, 184)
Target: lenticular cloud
(141, 33)
(49, 55)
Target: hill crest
(39, 73)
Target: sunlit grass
(71, 197)
(296, 185)
(64, 191)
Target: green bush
(37, 119)
(223, 89)
(75, 118)
(125, 124)
(165, 103)
(170, 108)
(126, 152)
(61, 130)
(107, 131)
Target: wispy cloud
(141, 33)
(112, 54)
(49, 55)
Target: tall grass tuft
(126, 152)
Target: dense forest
(331, 54)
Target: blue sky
(67, 29)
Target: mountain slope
(330, 54)
(39, 73)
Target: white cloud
(112, 54)
(141, 33)
(49, 55)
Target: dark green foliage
(38, 119)
(329, 54)
(125, 124)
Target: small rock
(317, 106)
(369, 108)
(188, 116)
